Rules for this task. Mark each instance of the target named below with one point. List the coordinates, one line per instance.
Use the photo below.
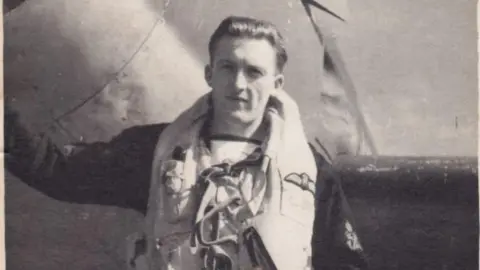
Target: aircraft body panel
(96, 68)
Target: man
(232, 178)
(247, 133)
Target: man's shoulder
(141, 133)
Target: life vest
(263, 221)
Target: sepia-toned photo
(222, 134)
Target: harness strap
(236, 208)
(257, 252)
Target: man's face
(242, 75)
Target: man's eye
(253, 72)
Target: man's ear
(208, 74)
(279, 81)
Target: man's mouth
(237, 99)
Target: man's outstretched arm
(114, 173)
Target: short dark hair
(235, 26)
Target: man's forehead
(250, 49)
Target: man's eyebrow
(262, 70)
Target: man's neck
(253, 130)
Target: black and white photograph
(240, 135)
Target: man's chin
(241, 117)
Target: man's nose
(241, 81)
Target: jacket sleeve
(335, 242)
(108, 173)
